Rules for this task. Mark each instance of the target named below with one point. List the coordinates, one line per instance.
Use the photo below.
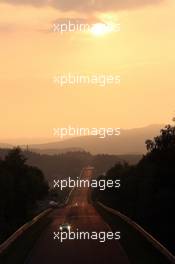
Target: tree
(147, 189)
(21, 186)
(166, 140)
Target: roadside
(138, 249)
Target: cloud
(87, 5)
(76, 20)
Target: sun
(100, 29)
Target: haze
(142, 53)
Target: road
(81, 215)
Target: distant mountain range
(131, 141)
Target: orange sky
(30, 55)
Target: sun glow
(100, 29)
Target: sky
(31, 54)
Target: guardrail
(16, 235)
(69, 195)
(7, 243)
(144, 233)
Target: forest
(147, 192)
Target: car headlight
(61, 228)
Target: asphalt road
(81, 215)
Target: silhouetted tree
(20, 187)
(147, 192)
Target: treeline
(21, 186)
(147, 192)
(70, 164)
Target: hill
(131, 141)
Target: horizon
(45, 140)
(32, 55)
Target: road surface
(81, 215)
